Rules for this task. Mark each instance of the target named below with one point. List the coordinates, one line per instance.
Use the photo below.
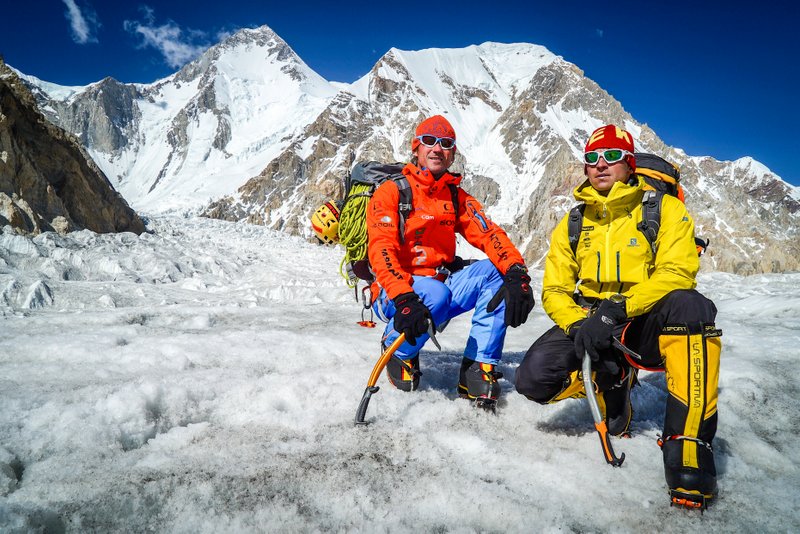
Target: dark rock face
(47, 181)
(105, 115)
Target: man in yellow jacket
(615, 289)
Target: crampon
(689, 499)
(487, 404)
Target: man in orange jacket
(423, 284)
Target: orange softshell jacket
(430, 231)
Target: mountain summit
(200, 133)
(249, 132)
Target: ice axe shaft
(373, 378)
(599, 423)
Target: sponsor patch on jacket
(479, 217)
(633, 242)
(587, 228)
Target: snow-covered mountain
(249, 132)
(200, 133)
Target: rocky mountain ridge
(219, 137)
(47, 181)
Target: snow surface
(54, 91)
(204, 378)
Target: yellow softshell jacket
(613, 255)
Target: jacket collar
(622, 196)
(425, 178)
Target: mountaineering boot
(404, 374)
(615, 402)
(478, 381)
(689, 486)
(572, 388)
(691, 354)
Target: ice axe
(373, 378)
(378, 369)
(599, 423)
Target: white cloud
(178, 46)
(224, 34)
(84, 26)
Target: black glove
(411, 316)
(574, 328)
(595, 333)
(516, 291)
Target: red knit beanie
(611, 136)
(437, 126)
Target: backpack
(661, 178)
(359, 187)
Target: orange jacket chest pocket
(430, 230)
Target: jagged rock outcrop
(47, 181)
(104, 115)
(334, 138)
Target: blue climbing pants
(470, 288)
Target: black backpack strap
(404, 204)
(574, 225)
(651, 217)
(454, 195)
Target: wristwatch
(618, 298)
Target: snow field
(204, 378)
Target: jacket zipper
(608, 254)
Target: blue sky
(714, 78)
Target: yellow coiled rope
(353, 228)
